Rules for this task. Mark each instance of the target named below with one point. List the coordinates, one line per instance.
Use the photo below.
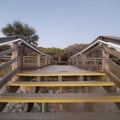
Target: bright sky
(60, 23)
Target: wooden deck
(60, 70)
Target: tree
(22, 30)
(74, 49)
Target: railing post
(84, 59)
(15, 64)
(105, 57)
(46, 61)
(20, 53)
(38, 60)
(76, 61)
(49, 61)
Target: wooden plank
(112, 52)
(61, 116)
(8, 63)
(8, 77)
(59, 98)
(7, 52)
(61, 84)
(114, 78)
(43, 75)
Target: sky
(60, 23)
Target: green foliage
(73, 49)
(63, 54)
(57, 53)
(22, 30)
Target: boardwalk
(65, 88)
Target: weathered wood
(62, 83)
(8, 63)
(59, 98)
(38, 60)
(10, 90)
(112, 52)
(88, 107)
(114, 78)
(7, 52)
(8, 77)
(20, 54)
(61, 116)
(105, 57)
(84, 59)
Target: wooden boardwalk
(61, 70)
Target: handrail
(8, 40)
(7, 52)
(99, 40)
(8, 63)
(7, 78)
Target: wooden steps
(62, 84)
(59, 98)
(61, 116)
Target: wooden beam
(7, 52)
(8, 77)
(112, 52)
(8, 63)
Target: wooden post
(105, 57)
(49, 61)
(77, 63)
(84, 59)
(46, 60)
(38, 60)
(15, 64)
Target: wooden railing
(107, 60)
(18, 61)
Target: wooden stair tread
(62, 83)
(58, 97)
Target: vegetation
(24, 31)
(73, 49)
(63, 54)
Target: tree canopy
(22, 30)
